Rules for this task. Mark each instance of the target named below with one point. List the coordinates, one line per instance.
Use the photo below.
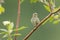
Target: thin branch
(18, 19)
(41, 22)
(38, 25)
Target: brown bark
(18, 19)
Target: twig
(41, 22)
(38, 25)
(18, 19)
(50, 5)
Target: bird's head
(35, 15)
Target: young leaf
(44, 1)
(51, 18)
(41, 1)
(56, 17)
(21, 28)
(55, 9)
(18, 34)
(47, 8)
(10, 26)
(4, 30)
(53, 3)
(33, 1)
(21, 1)
(5, 36)
(56, 22)
(6, 23)
(2, 9)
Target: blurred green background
(48, 31)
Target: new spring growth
(2, 9)
(6, 22)
(9, 25)
(35, 20)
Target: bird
(35, 20)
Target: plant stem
(41, 22)
(50, 5)
(9, 36)
(18, 19)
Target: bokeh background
(48, 31)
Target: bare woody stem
(41, 22)
(38, 25)
(18, 19)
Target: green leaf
(56, 17)
(9, 38)
(51, 18)
(55, 9)
(10, 26)
(4, 30)
(5, 36)
(21, 1)
(47, 8)
(33, 1)
(18, 34)
(21, 28)
(51, 2)
(56, 22)
(44, 1)
(41, 1)
(2, 9)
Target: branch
(18, 19)
(38, 25)
(42, 21)
(50, 5)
